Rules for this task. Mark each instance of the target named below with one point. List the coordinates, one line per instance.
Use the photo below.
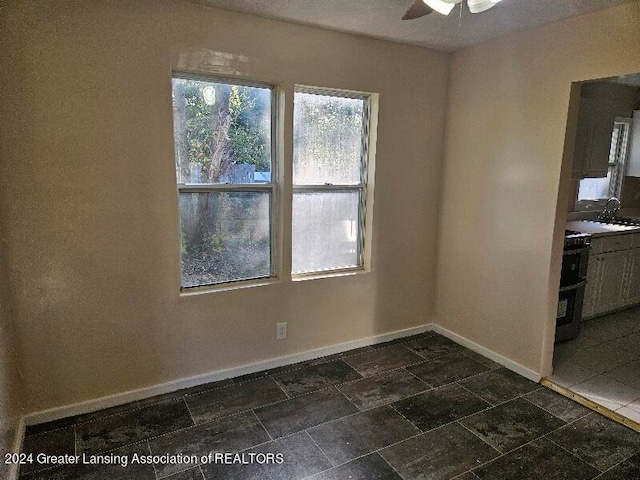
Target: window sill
(227, 287)
(300, 277)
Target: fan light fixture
(442, 6)
(446, 6)
(477, 6)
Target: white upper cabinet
(589, 135)
(634, 147)
(593, 139)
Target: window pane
(594, 188)
(222, 132)
(325, 231)
(224, 236)
(327, 139)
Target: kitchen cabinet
(610, 283)
(613, 277)
(589, 137)
(633, 169)
(632, 293)
(593, 139)
(589, 305)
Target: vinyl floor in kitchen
(419, 408)
(603, 363)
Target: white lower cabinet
(613, 278)
(632, 294)
(590, 293)
(610, 286)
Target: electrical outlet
(281, 331)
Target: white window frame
(617, 165)
(362, 188)
(271, 187)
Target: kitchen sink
(634, 222)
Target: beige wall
(92, 209)
(503, 201)
(11, 407)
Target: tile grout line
(574, 384)
(391, 466)
(458, 477)
(262, 424)
(324, 454)
(609, 349)
(184, 398)
(57, 429)
(612, 466)
(392, 407)
(626, 385)
(182, 429)
(280, 386)
(431, 387)
(155, 471)
(190, 467)
(524, 445)
(571, 453)
(475, 434)
(498, 405)
(419, 434)
(303, 395)
(524, 397)
(359, 410)
(190, 413)
(237, 413)
(136, 407)
(124, 412)
(480, 396)
(565, 449)
(49, 468)
(373, 408)
(343, 355)
(336, 419)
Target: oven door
(569, 314)
(574, 266)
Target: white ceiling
(382, 18)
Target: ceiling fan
(424, 7)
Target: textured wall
(91, 203)
(505, 188)
(11, 406)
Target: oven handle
(574, 286)
(576, 251)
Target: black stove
(573, 239)
(573, 279)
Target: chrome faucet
(610, 209)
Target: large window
(224, 165)
(597, 189)
(329, 180)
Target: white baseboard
(142, 393)
(510, 364)
(14, 470)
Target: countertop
(597, 229)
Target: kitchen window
(331, 144)
(223, 135)
(594, 190)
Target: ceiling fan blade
(417, 10)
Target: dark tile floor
(414, 409)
